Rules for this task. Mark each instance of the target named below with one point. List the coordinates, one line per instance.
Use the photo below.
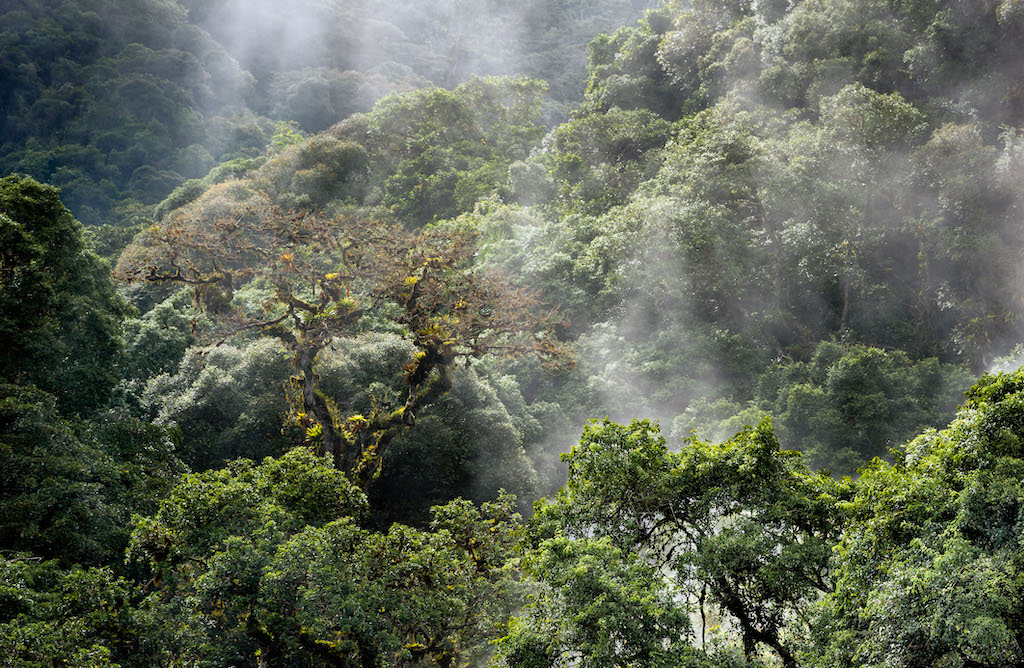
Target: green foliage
(108, 102)
(61, 315)
(857, 403)
(267, 562)
(316, 172)
(921, 554)
(180, 196)
(931, 556)
(472, 443)
(806, 212)
(68, 490)
(466, 445)
(535, 251)
(331, 59)
(404, 597)
(50, 502)
(204, 509)
(600, 159)
(224, 403)
(80, 618)
(316, 98)
(603, 604)
(842, 408)
(641, 533)
(745, 233)
(117, 104)
(445, 150)
(229, 402)
(306, 281)
(625, 72)
(861, 117)
(155, 343)
(418, 157)
(286, 134)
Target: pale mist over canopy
(316, 61)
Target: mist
(380, 270)
(346, 55)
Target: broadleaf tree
(320, 279)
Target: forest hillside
(563, 333)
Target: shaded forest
(561, 333)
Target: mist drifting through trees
(561, 333)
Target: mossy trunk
(313, 404)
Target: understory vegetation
(562, 333)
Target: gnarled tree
(324, 278)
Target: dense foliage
(917, 563)
(119, 106)
(353, 275)
(61, 313)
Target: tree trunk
(384, 428)
(751, 634)
(845, 280)
(313, 404)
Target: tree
(60, 328)
(965, 203)
(78, 618)
(928, 571)
(597, 606)
(599, 159)
(68, 490)
(225, 403)
(740, 525)
(435, 152)
(267, 564)
(845, 406)
(320, 279)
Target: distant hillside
(119, 103)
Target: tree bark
(313, 404)
(751, 634)
(385, 428)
